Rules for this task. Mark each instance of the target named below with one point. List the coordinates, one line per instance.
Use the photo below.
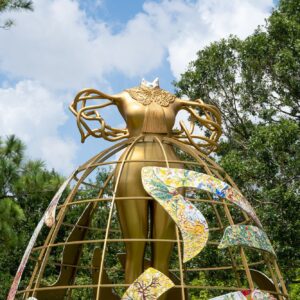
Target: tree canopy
(255, 82)
(26, 188)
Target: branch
(20, 4)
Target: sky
(64, 46)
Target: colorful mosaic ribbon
(246, 235)
(185, 178)
(191, 222)
(49, 219)
(246, 295)
(148, 286)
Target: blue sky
(67, 45)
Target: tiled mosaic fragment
(246, 235)
(148, 286)
(191, 222)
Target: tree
(26, 188)
(268, 171)
(13, 5)
(11, 156)
(253, 78)
(256, 84)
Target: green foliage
(11, 155)
(268, 171)
(10, 215)
(256, 84)
(200, 295)
(295, 287)
(26, 188)
(13, 5)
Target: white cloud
(196, 24)
(59, 153)
(60, 46)
(53, 44)
(34, 115)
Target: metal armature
(243, 270)
(122, 202)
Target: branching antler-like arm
(84, 113)
(209, 119)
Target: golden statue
(149, 140)
(149, 113)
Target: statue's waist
(150, 147)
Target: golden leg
(133, 215)
(163, 227)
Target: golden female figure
(149, 113)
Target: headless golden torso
(152, 119)
(146, 113)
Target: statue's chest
(150, 118)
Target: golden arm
(210, 120)
(90, 113)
